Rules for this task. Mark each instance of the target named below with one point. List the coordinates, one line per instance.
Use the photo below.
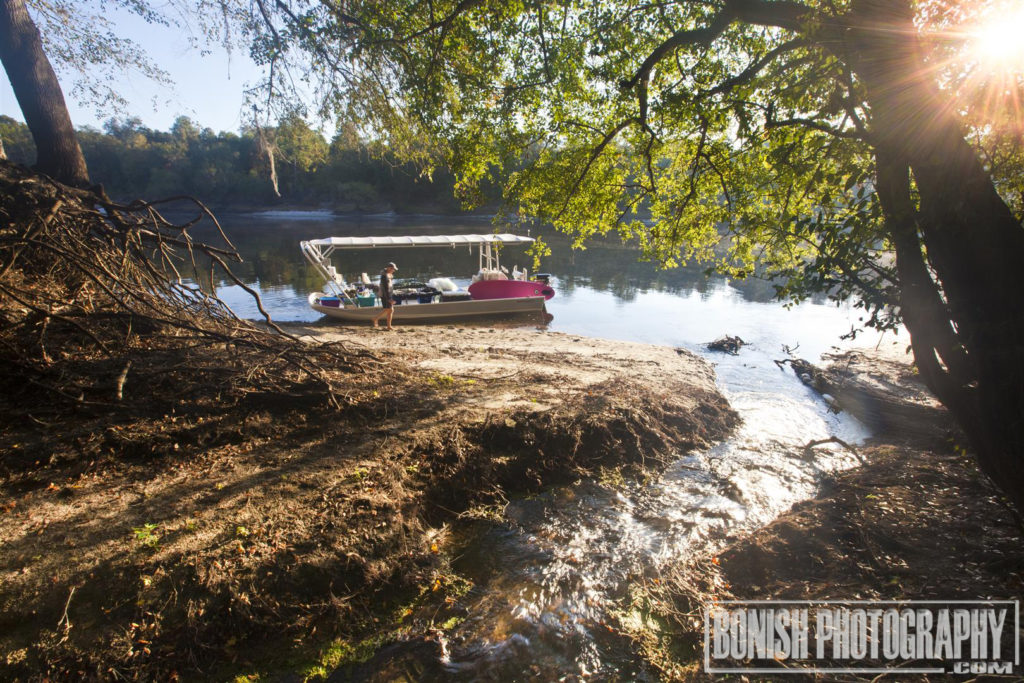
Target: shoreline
(318, 536)
(183, 541)
(916, 521)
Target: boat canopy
(418, 241)
(318, 252)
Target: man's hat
(391, 264)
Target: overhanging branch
(594, 154)
(782, 14)
(701, 36)
(755, 68)
(772, 122)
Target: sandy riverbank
(529, 369)
(275, 535)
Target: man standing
(386, 296)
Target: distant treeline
(228, 170)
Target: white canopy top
(418, 241)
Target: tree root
(809, 448)
(90, 289)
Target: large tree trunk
(967, 323)
(35, 84)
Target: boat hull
(445, 310)
(509, 289)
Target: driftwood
(882, 409)
(726, 344)
(809, 448)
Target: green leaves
(147, 535)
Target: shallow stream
(548, 580)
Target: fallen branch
(65, 621)
(880, 410)
(809, 448)
(726, 344)
(119, 394)
(105, 284)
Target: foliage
(538, 250)
(17, 140)
(729, 132)
(301, 146)
(225, 169)
(147, 535)
(81, 44)
(662, 123)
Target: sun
(998, 42)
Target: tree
(17, 140)
(78, 37)
(838, 143)
(39, 96)
(298, 145)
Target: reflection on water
(548, 581)
(273, 264)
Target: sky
(207, 88)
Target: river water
(549, 580)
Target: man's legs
(388, 313)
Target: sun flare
(998, 43)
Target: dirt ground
(917, 521)
(199, 540)
(530, 368)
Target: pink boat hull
(509, 289)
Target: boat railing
(334, 280)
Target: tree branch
(444, 22)
(701, 36)
(751, 71)
(594, 154)
(772, 122)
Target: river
(548, 580)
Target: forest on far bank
(231, 171)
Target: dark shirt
(385, 286)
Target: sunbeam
(997, 42)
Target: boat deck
(445, 310)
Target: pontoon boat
(493, 291)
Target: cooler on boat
(332, 301)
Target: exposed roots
(618, 425)
(100, 302)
